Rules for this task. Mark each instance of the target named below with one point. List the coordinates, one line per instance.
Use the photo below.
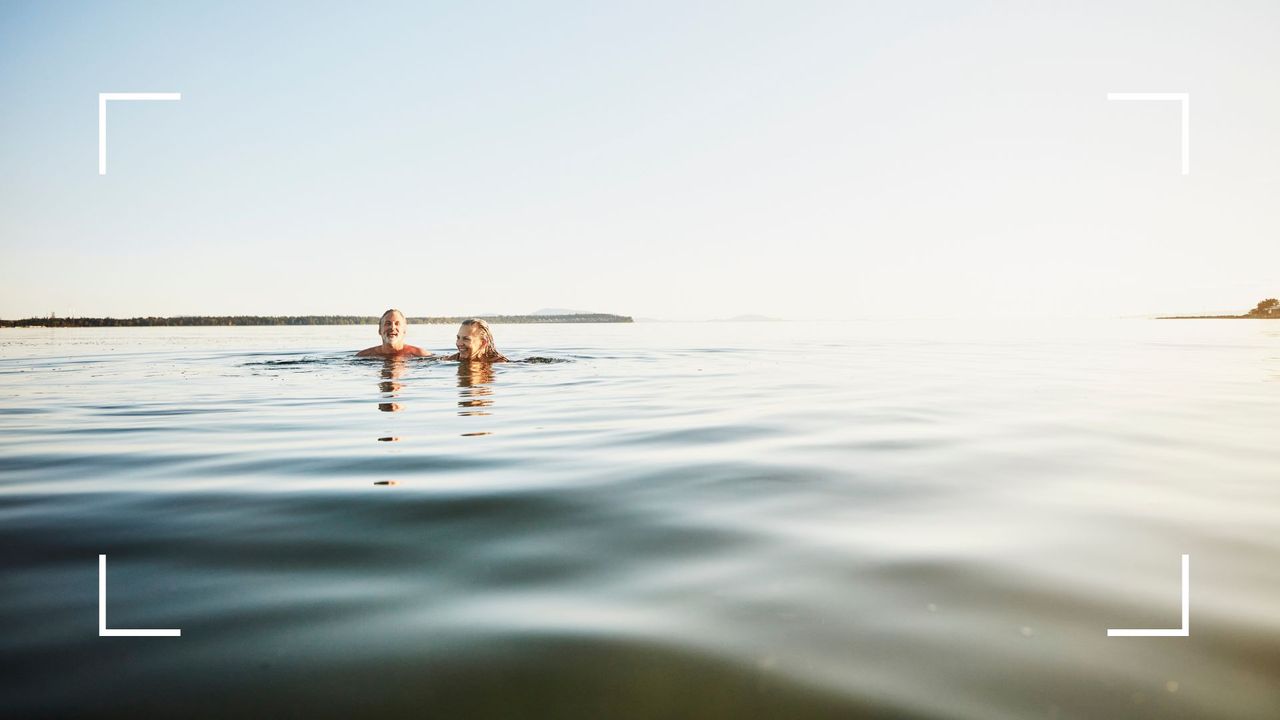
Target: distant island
(1268, 309)
(212, 320)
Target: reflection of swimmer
(475, 343)
(392, 326)
(392, 371)
(473, 388)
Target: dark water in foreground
(743, 520)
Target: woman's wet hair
(490, 351)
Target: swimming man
(392, 327)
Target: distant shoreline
(1268, 309)
(248, 320)
(1220, 317)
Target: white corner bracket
(103, 630)
(1183, 631)
(1185, 99)
(102, 118)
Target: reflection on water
(475, 389)
(772, 520)
(391, 372)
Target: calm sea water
(916, 519)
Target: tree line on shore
(1269, 308)
(210, 320)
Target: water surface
(913, 519)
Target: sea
(897, 519)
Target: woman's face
(470, 342)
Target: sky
(681, 160)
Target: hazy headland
(1268, 309)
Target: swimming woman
(392, 327)
(475, 343)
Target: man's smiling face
(392, 329)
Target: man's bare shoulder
(406, 351)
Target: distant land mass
(1268, 309)
(214, 320)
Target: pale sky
(680, 160)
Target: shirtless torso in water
(406, 351)
(392, 328)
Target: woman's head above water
(475, 342)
